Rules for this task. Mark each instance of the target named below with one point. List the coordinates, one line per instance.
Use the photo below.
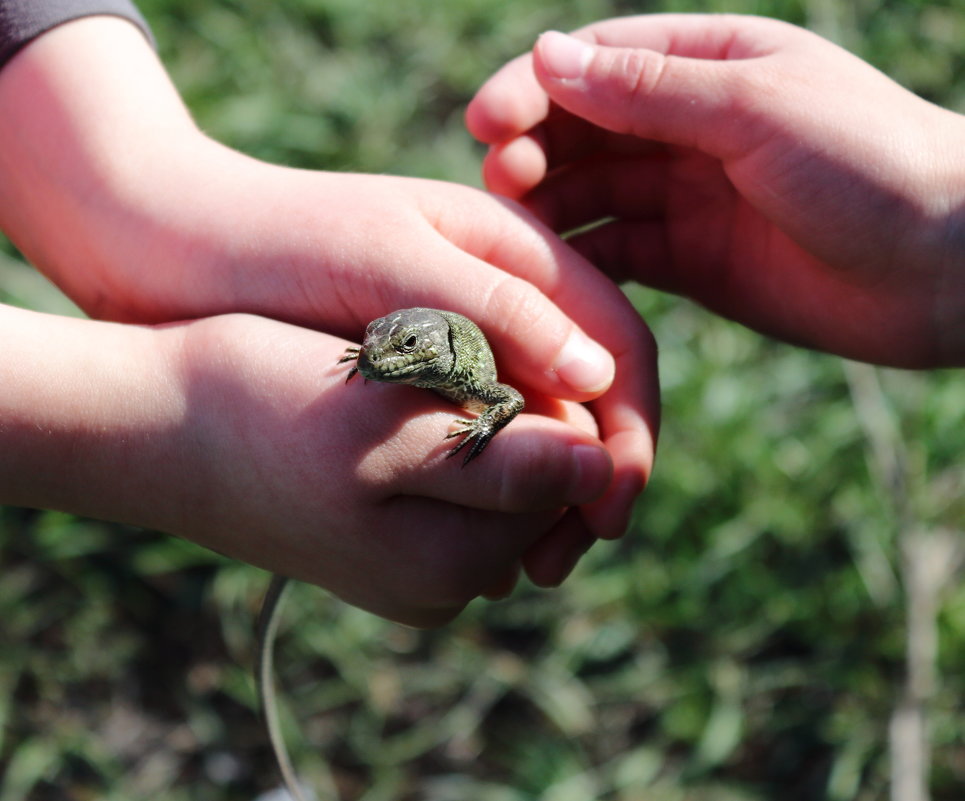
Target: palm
(744, 239)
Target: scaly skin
(445, 352)
(438, 350)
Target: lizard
(438, 350)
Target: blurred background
(785, 611)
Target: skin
(109, 188)
(214, 430)
(448, 354)
(419, 347)
(749, 165)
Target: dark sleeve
(24, 20)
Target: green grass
(745, 641)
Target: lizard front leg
(480, 430)
(351, 355)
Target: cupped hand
(347, 484)
(240, 433)
(116, 195)
(749, 165)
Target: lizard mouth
(398, 368)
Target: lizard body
(445, 352)
(438, 350)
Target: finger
(552, 558)
(504, 585)
(694, 102)
(525, 289)
(492, 262)
(584, 193)
(514, 167)
(703, 36)
(628, 412)
(577, 415)
(566, 137)
(447, 556)
(510, 102)
(698, 63)
(522, 280)
(514, 277)
(533, 465)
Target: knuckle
(535, 479)
(638, 73)
(520, 308)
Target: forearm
(90, 418)
(109, 188)
(82, 151)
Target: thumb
(631, 90)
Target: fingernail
(584, 365)
(564, 57)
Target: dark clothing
(21, 21)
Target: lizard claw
(445, 352)
(351, 354)
(477, 432)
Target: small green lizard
(438, 350)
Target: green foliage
(745, 641)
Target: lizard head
(409, 346)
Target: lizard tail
(265, 678)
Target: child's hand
(240, 433)
(751, 166)
(112, 191)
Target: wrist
(109, 188)
(91, 418)
(82, 152)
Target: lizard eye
(408, 344)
